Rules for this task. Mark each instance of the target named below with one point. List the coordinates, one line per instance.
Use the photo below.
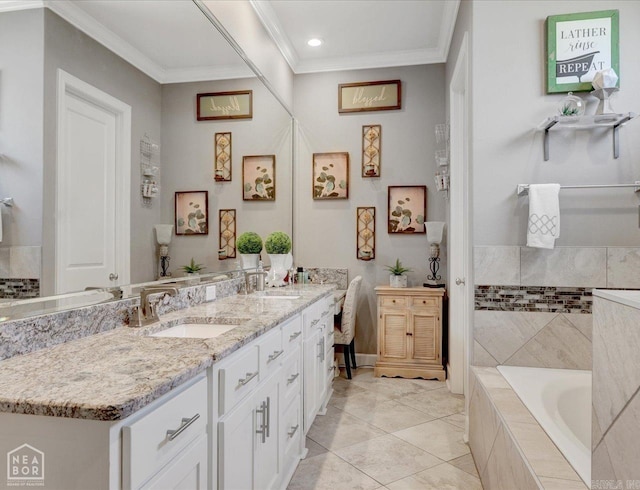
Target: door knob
(459, 281)
(113, 276)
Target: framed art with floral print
(330, 175)
(192, 216)
(407, 209)
(259, 178)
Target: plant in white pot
(193, 270)
(278, 246)
(249, 246)
(397, 279)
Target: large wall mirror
(153, 57)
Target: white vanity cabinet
(255, 450)
(318, 358)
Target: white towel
(543, 226)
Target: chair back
(349, 311)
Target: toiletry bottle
(300, 275)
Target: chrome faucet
(260, 277)
(147, 312)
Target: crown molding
(205, 74)
(449, 17)
(386, 60)
(11, 5)
(271, 23)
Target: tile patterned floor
(388, 433)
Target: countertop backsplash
(26, 335)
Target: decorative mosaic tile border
(19, 288)
(534, 298)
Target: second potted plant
(249, 246)
(278, 246)
(397, 279)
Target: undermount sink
(199, 330)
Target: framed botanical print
(192, 216)
(259, 178)
(407, 209)
(330, 175)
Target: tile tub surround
(552, 340)
(581, 267)
(616, 390)
(533, 298)
(26, 335)
(109, 376)
(509, 447)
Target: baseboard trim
(362, 360)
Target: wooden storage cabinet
(410, 332)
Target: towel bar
(7, 201)
(523, 189)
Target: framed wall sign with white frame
(578, 46)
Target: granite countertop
(110, 375)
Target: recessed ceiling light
(315, 42)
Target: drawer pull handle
(293, 430)
(294, 336)
(264, 412)
(242, 382)
(409, 334)
(330, 369)
(332, 333)
(275, 355)
(186, 422)
(325, 313)
(293, 378)
(393, 300)
(315, 322)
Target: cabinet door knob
(459, 281)
(409, 334)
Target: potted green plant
(249, 246)
(278, 246)
(192, 269)
(397, 279)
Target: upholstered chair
(345, 331)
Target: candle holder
(163, 237)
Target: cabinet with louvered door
(410, 332)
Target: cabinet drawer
(325, 305)
(425, 302)
(238, 378)
(311, 318)
(271, 352)
(291, 376)
(148, 444)
(393, 302)
(291, 334)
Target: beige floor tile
(438, 403)
(389, 416)
(387, 459)
(328, 471)
(441, 477)
(338, 429)
(366, 398)
(345, 387)
(559, 484)
(436, 437)
(457, 419)
(466, 463)
(314, 448)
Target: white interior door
(460, 274)
(92, 196)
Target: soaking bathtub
(560, 400)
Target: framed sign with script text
(370, 96)
(578, 46)
(225, 105)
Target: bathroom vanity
(131, 409)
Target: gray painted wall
(188, 164)
(510, 101)
(21, 65)
(325, 231)
(71, 50)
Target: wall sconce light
(163, 237)
(435, 232)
